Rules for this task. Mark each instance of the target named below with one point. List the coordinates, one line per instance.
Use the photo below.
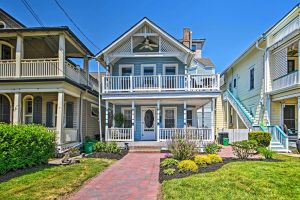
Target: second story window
(251, 78)
(6, 52)
(234, 83)
(194, 47)
(291, 66)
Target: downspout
(99, 102)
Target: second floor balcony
(160, 83)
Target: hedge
(23, 146)
(263, 139)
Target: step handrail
(279, 130)
(240, 105)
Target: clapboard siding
(90, 125)
(137, 62)
(219, 114)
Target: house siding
(90, 125)
(137, 62)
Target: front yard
(52, 182)
(241, 180)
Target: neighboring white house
(40, 84)
(261, 88)
(149, 80)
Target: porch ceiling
(192, 102)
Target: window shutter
(49, 114)
(37, 110)
(69, 115)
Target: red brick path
(133, 177)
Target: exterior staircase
(279, 141)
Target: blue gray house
(159, 84)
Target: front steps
(144, 146)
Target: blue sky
(229, 27)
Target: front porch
(160, 120)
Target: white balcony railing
(285, 81)
(119, 134)
(160, 83)
(195, 134)
(7, 68)
(45, 68)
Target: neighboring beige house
(261, 88)
(40, 84)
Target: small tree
(119, 119)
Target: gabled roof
(205, 61)
(12, 18)
(135, 27)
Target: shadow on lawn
(20, 172)
(208, 168)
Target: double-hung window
(170, 117)
(127, 118)
(189, 119)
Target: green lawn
(53, 182)
(241, 180)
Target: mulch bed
(108, 155)
(19, 172)
(209, 168)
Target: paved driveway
(134, 177)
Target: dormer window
(2, 25)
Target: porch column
(113, 115)
(212, 119)
(60, 117)
(86, 68)
(268, 109)
(298, 116)
(17, 109)
(184, 114)
(61, 55)
(132, 119)
(106, 120)
(298, 62)
(19, 54)
(158, 121)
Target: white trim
(4, 24)
(170, 65)
(148, 65)
(164, 112)
(121, 66)
(25, 99)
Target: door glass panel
(149, 119)
(289, 117)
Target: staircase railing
(238, 106)
(279, 135)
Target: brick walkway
(134, 177)
(226, 152)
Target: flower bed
(116, 156)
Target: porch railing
(119, 134)
(285, 81)
(7, 68)
(279, 136)
(161, 83)
(195, 134)
(39, 67)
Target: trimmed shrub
(268, 154)
(212, 148)
(169, 171)
(187, 165)
(243, 149)
(107, 147)
(24, 146)
(263, 139)
(169, 162)
(215, 158)
(202, 160)
(182, 149)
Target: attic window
(2, 24)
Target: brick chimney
(186, 37)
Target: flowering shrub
(202, 160)
(243, 149)
(182, 149)
(215, 158)
(187, 165)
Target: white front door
(148, 123)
